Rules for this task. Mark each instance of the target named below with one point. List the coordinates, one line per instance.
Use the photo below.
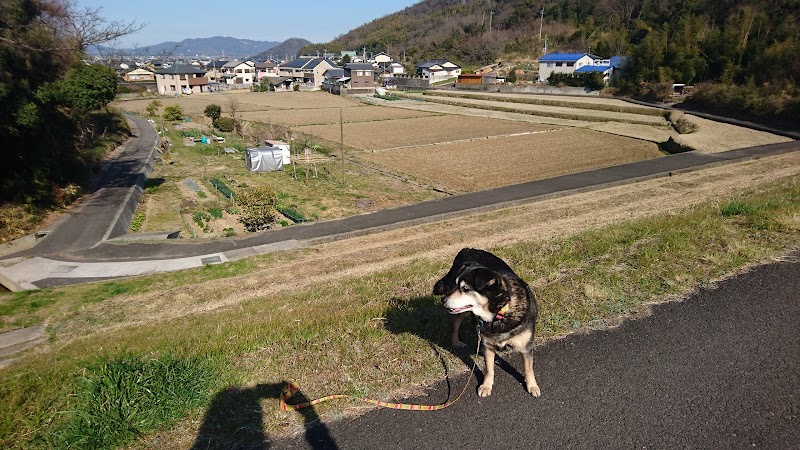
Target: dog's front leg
(485, 389)
(530, 379)
(455, 324)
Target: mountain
(288, 47)
(212, 46)
(217, 46)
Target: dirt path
(543, 220)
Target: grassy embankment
(377, 335)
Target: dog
(480, 283)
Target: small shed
(266, 159)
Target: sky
(265, 20)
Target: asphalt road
(86, 225)
(719, 370)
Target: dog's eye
(466, 288)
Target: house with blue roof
(577, 63)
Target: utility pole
(341, 141)
(541, 23)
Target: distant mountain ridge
(216, 46)
(212, 46)
(285, 50)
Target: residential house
(239, 72)
(306, 70)
(214, 71)
(563, 63)
(181, 79)
(139, 75)
(438, 70)
(362, 75)
(578, 63)
(266, 69)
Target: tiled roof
(359, 66)
(593, 69)
(180, 68)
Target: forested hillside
(48, 101)
(753, 44)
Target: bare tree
(233, 108)
(73, 29)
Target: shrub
(173, 112)
(152, 107)
(213, 112)
(225, 124)
(259, 207)
(215, 212)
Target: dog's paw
(485, 390)
(458, 344)
(534, 390)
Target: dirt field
(419, 131)
(490, 163)
(319, 116)
(248, 101)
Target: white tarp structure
(265, 159)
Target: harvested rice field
(248, 101)
(487, 164)
(564, 112)
(322, 116)
(377, 135)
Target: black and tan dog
(482, 284)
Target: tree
(152, 107)
(233, 108)
(45, 95)
(173, 112)
(213, 112)
(345, 59)
(87, 88)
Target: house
(578, 63)
(214, 70)
(239, 72)
(563, 63)
(438, 70)
(306, 70)
(266, 69)
(139, 75)
(181, 79)
(362, 75)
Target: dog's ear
(438, 288)
(485, 280)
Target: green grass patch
(120, 398)
(366, 335)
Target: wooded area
(48, 97)
(751, 46)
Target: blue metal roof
(565, 57)
(593, 69)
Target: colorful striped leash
(290, 389)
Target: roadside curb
(122, 220)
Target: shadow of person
(234, 420)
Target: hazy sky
(265, 20)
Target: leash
(290, 389)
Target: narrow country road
(719, 370)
